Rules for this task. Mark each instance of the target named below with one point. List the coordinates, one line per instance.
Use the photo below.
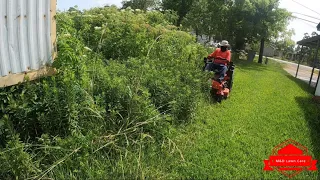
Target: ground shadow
(244, 64)
(312, 116)
(302, 84)
(255, 66)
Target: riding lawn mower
(221, 90)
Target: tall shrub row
(123, 78)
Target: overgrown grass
(124, 77)
(127, 103)
(231, 140)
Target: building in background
(269, 51)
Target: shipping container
(27, 40)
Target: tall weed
(123, 78)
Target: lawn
(231, 140)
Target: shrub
(123, 76)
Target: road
(304, 71)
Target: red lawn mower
(220, 91)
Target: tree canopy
(182, 7)
(284, 42)
(239, 21)
(140, 4)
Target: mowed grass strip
(230, 140)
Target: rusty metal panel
(27, 35)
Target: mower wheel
(219, 98)
(213, 93)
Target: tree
(314, 34)
(140, 4)
(309, 52)
(217, 16)
(207, 17)
(305, 52)
(284, 42)
(74, 9)
(239, 21)
(270, 20)
(182, 7)
(306, 36)
(196, 17)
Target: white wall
(317, 90)
(26, 35)
(268, 51)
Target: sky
(86, 4)
(300, 26)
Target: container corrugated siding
(25, 35)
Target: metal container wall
(27, 35)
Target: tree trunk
(261, 51)
(180, 12)
(197, 34)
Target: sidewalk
(304, 72)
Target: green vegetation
(240, 21)
(123, 78)
(231, 140)
(130, 101)
(308, 54)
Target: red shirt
(219, 54)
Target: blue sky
(299, 26)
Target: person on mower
(221, 57)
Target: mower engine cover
(217, 85)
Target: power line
(306, 15)
(305, 20)
(306, 7)
(307, 23)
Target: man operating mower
(221, 57)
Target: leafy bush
(123, 77)
(15, 162)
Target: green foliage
(198, 18)
(16, 162)
(140, 4)
(231, 140)
(307, 54)
(256, 20)
(239, 21)
(182, 7)
(121, 34)
(284, 42)
(123, 76)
